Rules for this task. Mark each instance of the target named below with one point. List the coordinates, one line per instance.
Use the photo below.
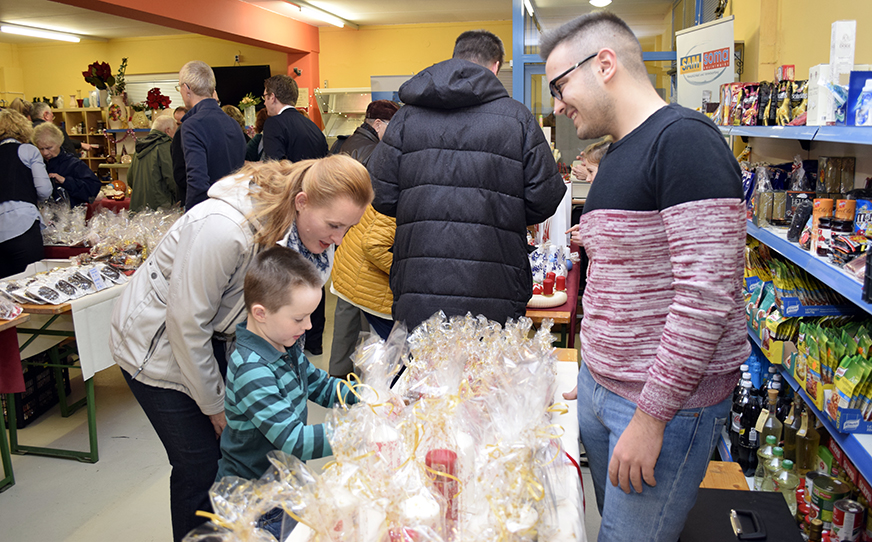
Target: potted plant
(139, 119)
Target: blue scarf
(323, 262)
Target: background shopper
(73, 180)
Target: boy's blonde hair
(273, 274)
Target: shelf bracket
(805, 144)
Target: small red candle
(548, 286)
(560, 283)
(550, 275)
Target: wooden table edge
(15, 322)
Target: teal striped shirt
(266, 406)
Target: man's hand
(571, 395)
(576, 234)
(219, 422)
(636, 453)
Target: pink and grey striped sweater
(664, 323)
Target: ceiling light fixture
(529, 7)
(316, 13)
(600, 3)
(38, 33)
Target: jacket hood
(151, 142)
(452, 84)
(233, 190)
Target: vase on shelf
(140, 120)
(117, 113)
(104, 98)
(250, 115)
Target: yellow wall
(796, 32)
(11, 78)
(51, 69)
(349, 57)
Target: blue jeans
(658, 513)
(277, 523)
(192, 448)
(381, 326)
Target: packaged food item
(862, 217)
(8, 309)
(764, 102)
(798, 98)
(782, 111)
(846, 170)
(737, 92)
(46, 294)
(750, 104)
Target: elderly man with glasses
(664, 332)
(211, 142)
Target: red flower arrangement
(100, 75)
(156, 100)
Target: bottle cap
(770, 439)
(746, 383)
(744, 367)
(772, 369)
(746, 375)
(787, 464)
(773, 395)
(778, 450)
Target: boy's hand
(219, 422)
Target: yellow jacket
(362, 263)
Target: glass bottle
(764, 454)
(791, 425)
(786, 482)
(807, 442)
(740, 396)
(773, 466)
(772, 426)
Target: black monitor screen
(234, 82)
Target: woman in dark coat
(68, 174)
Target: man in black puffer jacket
(465, 169)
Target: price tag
(97, 278)
(761, 420)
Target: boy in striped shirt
(269, 379)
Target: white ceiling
(644, 16)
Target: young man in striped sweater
(663, 333)
(269, 378)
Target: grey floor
(125, 495)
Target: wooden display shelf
(113, 166)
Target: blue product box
(857, 83)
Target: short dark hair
(272, 276)
(479, 46)
(381, 110)
(284, 87)
(594, 31)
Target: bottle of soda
(773, 467)
(764, 454)
(741, 395)
(786, 481)
(748, 437)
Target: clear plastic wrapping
(461, 448)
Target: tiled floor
(124, 496)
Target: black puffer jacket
(464, 169)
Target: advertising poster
(705, 60)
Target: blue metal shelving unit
(834, 134)
(820, 268)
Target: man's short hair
(199, 77)
(381, 110)
(181, 108)
(273, 275)
(39, 109)
(163, 122)
(594, 31)
(284, 87)
(479, 46)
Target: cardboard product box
(820, 100)
(825, 460)
(793, 199)
(860, 86)
(787, 72)
(843, 37)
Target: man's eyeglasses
(179, 87)
(557, 91)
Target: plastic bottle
(807, 442)
(764, 454)
(772, 426)
(755, 368)
(748, 438)
(791, 425)
(742, 395)
(786, 481)
(773, 467)
(864, 105)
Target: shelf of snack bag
(860, 135)
(819, 267)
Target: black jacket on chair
(464, 168)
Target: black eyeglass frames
(552, 86)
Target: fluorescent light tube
(38, 33)
(600, 3)
(529, 7)
(322, 16)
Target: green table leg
(6, 457)
(91, 456)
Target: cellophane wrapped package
(461, 448)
